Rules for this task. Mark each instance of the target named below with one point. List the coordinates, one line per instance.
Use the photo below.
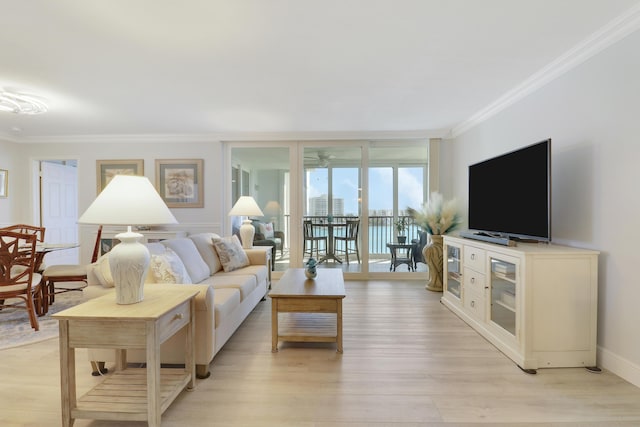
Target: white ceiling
(250, 68)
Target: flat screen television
(510, 194)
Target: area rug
(15, 329)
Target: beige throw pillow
(169, 268)
(102, 271)
(230, 252)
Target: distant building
(319, 206)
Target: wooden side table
(101, 323)
(396, 255)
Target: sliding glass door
(333, 204)
(262, 172)
(335, 185)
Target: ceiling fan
(321, 159)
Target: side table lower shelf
(123, 395)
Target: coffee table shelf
(307, 327)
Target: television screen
(510, 195)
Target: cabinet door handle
(473, 304)
(473, 280)
(473, 256)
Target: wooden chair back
(17, 260)
(17, 278)
(353, 225)
(96, 247)
(27, 229)
(307, 229)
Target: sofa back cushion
(204, 243)
(188, 252)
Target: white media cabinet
(537, 303)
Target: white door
(59, 209)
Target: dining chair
(350, 240)
(309, 236)
(19, 284)
(30, 229)
(54, 276)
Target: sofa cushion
(225, 300)
(244, 283)
(204, 243)
(260, 272)
(169, 268)
(231, 254)
(188, 252)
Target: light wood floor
(407, 361)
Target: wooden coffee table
(311, 305)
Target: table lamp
(128, 200)
(246, 206)
(272, 209)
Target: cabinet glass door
(454, 275)
(503, 294)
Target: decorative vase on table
(434, 257)
(436, 217)
(310, 269)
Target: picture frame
(180, 182)
(107, 169)
(4, 183)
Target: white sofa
(224, 301)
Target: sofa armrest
(260, 255)
(279, 235)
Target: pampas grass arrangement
(437, 216)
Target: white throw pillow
(267, 230)
(169, 268)
(230, 252)
(102, 271)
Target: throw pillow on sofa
(231, 254)
(169, 268)
(102, 271)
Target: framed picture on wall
(107, 169)
(180, 182)
(4, 183)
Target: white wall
(14, 206)
(592, 113)
(209, 218)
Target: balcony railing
(380, 231)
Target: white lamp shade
(245, 206)
(128, 200)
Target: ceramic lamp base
(247, 232)
(128, 262)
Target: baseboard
(618, 365)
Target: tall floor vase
(432, 254)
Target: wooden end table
(101, 323)
(321, 297)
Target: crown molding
(611, 33)
(232, 136)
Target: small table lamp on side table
(128, 200)
(246, 206)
